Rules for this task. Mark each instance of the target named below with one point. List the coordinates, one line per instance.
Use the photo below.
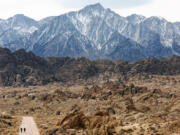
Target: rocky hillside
(25, 68)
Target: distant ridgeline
(25, 68)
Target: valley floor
(141, 105)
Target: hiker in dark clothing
(24, 129)
(21, 130)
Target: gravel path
(30, 126)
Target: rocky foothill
(21, 68)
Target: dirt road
(29, 125)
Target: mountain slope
(61, 38)
(119, 47)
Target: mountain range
(93, 32)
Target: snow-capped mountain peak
(22, 24)
(93, 10)
(135, 19)
(96, 6)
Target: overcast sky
(38, 9)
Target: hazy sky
(38, 9)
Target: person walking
(21, 130)
(24, 129)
